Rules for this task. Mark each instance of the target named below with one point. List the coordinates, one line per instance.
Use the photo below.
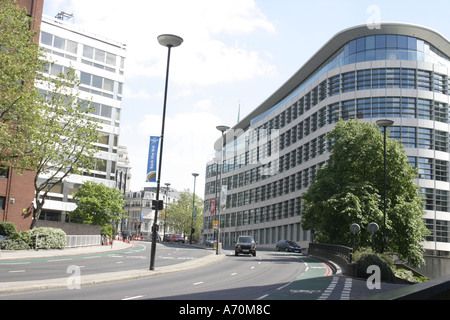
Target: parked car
(211, 242)
(245, 244)
(288, 246)
(177, 238)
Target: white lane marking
(197, 283)
(16, 271)
(131, 298)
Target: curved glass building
(399, 72)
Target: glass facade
(271, 163)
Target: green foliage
(44, 125)
(179, 215)
(48, 238)
(98, 204)
(19, 102)
(7, 229)
(366, 259)
(23, 237)
(9, 244)
(349, 189)
(108, 231)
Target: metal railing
(73, 241)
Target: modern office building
(99, 63)
(399, 72)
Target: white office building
(99, 63)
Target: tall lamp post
(385, 123)
(165, 213)
(222, 129)
(170, 41)
(193, 209)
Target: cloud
(204, 58)
(188, 142)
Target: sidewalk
(29, 254)
(22, 286)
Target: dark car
(288, 246)
(245, 244)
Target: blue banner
(152, 159)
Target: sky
(235, 54)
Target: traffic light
(157, 204)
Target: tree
(20, 62)
(44, 125)
(349, 189)
(63, 143)
(179, 215)
(98, 204)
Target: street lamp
(384, 123)
(222, 129)
(193, 209)
(165, 214)
(170, 41)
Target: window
(99, 56)
(348, 82)
(425, 168)
(441, 170)
(424, 109)
(96, 81)
(408, 78)
(2, 203)
(441, 141)
(364, 79)
(408, 108)
(378, 78)
(425, 138)
(348, 110)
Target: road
(269, 276)
(233, 278)
(130, 259)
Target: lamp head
(170, 40)
(222, 128)
(384, 123)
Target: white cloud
(203, 58)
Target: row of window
(100, 58)
(440, 230)
(411, 137)
(372, 48)
(435, 199)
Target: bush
(8, 244)
(23, 236)
(48, 238)
(367, 258)
(7, 229)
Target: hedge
(47, 238)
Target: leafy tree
(98, 204)
(179, 215)
(19, 98)
(65, 136)
(349, 189)
(44, 125)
